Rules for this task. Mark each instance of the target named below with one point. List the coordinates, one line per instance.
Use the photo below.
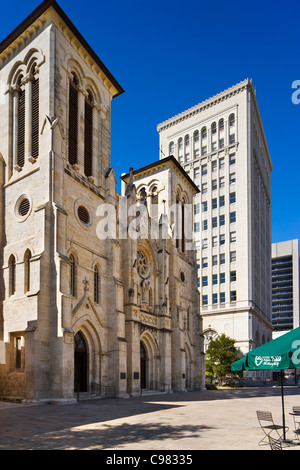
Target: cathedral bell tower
(54, 173)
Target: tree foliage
(220, 354)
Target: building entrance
(143, 366)
(80, 363)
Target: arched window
(231, 120)
(178, 221)
(72, 276)
(171, 148)
(154, 202)
(27, 258)
(221, 124)
(35, 114)
(12, 275)
(196, 136)
(187, 140)
(88, 135)
(204, 133)
(73, 120)
(21, 124)
(96, 285)
(182, 227)
(213, 128)
(180, 144)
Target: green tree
(220, 354)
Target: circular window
(143, 267)
(24, 207)
(83, 215)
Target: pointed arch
(21, 112)
(73, 119)
(188, 366)
(151, 350)
(27, 258)
(97, 283)
(73, 274)
(93, 347)
(35, 98)
(12, 275)
(88, 133)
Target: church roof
(168, 160)
(42, 8)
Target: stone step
(146, 391)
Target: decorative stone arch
(89, 84)
(185, 197)
(73, 273)
(146, 264)
(73, 66)
(151, 377)
(24, 66)
(97, 276)
(93, 378)
(17, 71)
(27, 271)
(86, 82)
(209, 334)
(178, 192)
(188, 366)
(12, 262)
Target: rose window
(143, 267)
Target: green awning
(280, 353)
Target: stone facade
(221, 143)
(80, 312)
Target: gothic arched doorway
(80, 363)
(143, 366)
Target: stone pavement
(209, 420)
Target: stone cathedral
(81, 312)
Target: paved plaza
(210, 420)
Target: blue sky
(171, 55)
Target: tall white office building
(222, 146)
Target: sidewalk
(209, 420)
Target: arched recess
(27, 258)
(24, 66)
(97, 275)
(149, 370)
(188, 366)
(209, 335)
(81, 362)
(146, 268)
(90, 364)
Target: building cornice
(210, 102)
(163, 164)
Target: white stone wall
(211, 166)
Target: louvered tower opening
(88, 135)
(96, 285)
(73, 121)
(21, 127)
(35, 118)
